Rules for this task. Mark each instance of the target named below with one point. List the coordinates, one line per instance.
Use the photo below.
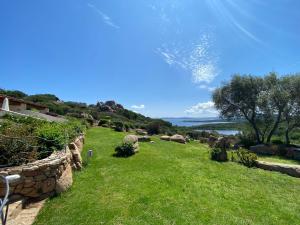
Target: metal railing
(4, 203)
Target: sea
(189, 122)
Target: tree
(261, 101)
(239, 99)
(291, 114)
(273, 101)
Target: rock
(48, 185)
(165, 138)
(293, 152)
(144, 138)
(133, 139)
(65, 181)
(292, 170)
(130, 139)
(141, 132)
(76, 157)
(264, 149)
(178, 138)
(152, 142)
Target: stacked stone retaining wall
(46, 177)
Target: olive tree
(291, 114)
(239, 99)
(261, 101)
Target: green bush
(277, 142)
(218, 154)
(119, 126)
(246, 158)
(124, 150)
(51, 137)
(25, 139)
(247, 139)
(17, 146)
(104, 123)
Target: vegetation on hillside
(109, 111)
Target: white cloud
(203, 109)
(198, 59)
(106, 19)
(138, 107)
(203, 86)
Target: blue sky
(158, 57)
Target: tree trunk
(274, 127)
(258, 140)
(287, 137)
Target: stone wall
(46, 177)
(292, 170)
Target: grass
(278, 159)
(170, 183)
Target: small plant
(119, 126)
(125, 150)
(104, 123)
(218, 154)
(246, 158)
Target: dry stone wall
(46, 177)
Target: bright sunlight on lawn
(170, 183)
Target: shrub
(277, 142)
(246, 158)
(247, 139)
(104, 123)
(16, 145)
(124, 150)
(218, 154)
(51, 137)
(119, 126)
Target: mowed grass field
(170, 183)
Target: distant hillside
(100, 110)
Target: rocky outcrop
(165, 138)
(292, 170)
(178, 138)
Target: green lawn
(278, 159)
(170, 183)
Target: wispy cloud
(203, 109)
(199, 59)
(106, 19)
(138, 107)
(205, 87)
(226, 15)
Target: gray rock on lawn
(132, 139)
(144, 138)
(141, 132)
(165, 138)
(178, 138)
